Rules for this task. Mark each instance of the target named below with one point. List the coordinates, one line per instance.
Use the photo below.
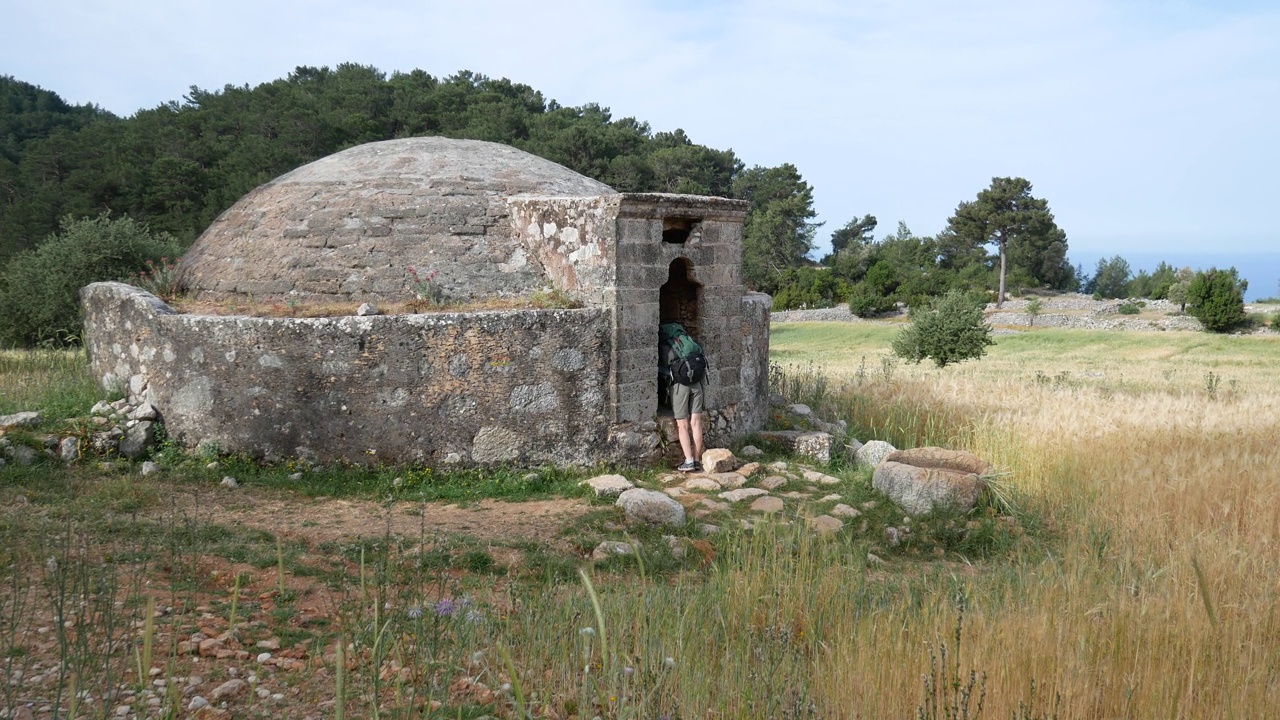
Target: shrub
(1216, 299)
(39, 290)
(950, 329)
(1130, 308)
(865, 302)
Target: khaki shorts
(688, 399)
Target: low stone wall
(522, 387)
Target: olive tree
(950, 329)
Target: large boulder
(874, 453)
(651, 506)
(925, 479)
(814, 445)
(608, 485)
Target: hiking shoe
(689, 466)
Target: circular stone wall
(350, 226)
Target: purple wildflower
(445, 607)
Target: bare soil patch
(320, 520)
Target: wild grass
(1146, 584)
(1148, 468)
(57, 382)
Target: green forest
(71, 173)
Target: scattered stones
(367, 309)
(677, 545)
(26, 419)
(674, 492)
(895, 535)
(728, 480)
(749, 469)
(820, 478)
(145, 411)
(213, 466)
(800, 409)
(779, 465)
(295, 477)
(197, 703)
(825, 524)
(773, 482)
(24, 454)
(101, 408)
(669, 478)
(612, 548)
(829, 498)
(750, 451)
(210, 646)
(767, 504)
(714, 505)
(924, 479)
(719, 460)
(742, 494)
(704, 484)
(651, 506)
(229, 482)
(228, 690)
(150, 468)
(271, 643)
(69, 450)
(263, 657)
(138, 439)
(873, 453)
(608, 485)
(844, 511)
(708, 528)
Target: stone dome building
(349, 226)
(472, 388)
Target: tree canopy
(177, 166)
(1021, 227)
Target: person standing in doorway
(684, 367)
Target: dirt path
(322, 520)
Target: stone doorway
(679, 301)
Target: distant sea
(1262, 270)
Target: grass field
(1154, 455)
(1142, 577)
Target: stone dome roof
(350, 225)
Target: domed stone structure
(521, 387)
(349, 226)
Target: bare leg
(682, 429)
(696, 428)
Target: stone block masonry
(481, 220)
(523, 387)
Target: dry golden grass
(1160, 598)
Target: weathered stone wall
(522, 387)
(715, 250)
(573, 240)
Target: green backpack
(687, 363)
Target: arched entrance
(679, 301)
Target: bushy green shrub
(1130, 308)
(39, 289)
(1216, 299)
(865, 302)
(950, 329)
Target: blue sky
(1149, 126)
